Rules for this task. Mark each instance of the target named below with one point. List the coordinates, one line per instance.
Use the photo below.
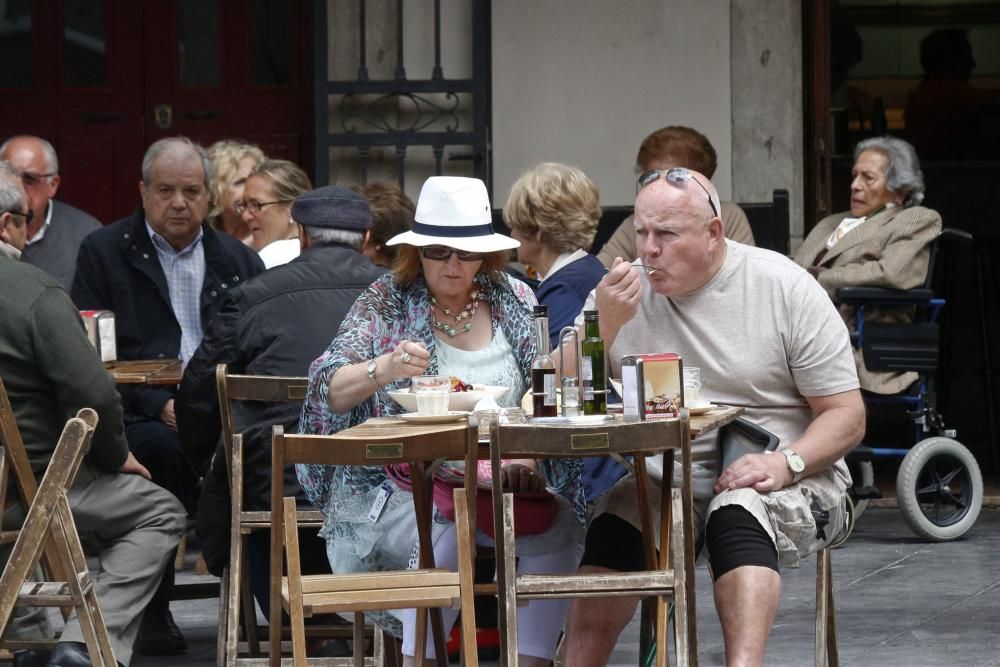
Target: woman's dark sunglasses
(442, 253)
(675, 175)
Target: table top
(390, 426)
(152, 371)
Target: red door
(102, 79)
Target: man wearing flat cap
(275, 324)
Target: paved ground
(899, 602)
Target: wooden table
(698, 425)
(151, 372)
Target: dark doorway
(102, 79)
(927, 72)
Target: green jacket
(50, 370)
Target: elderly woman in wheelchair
(876, 262)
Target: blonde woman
(553, 210)
(266, 208)
(232, 162)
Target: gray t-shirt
(764, 334)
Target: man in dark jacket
(50, 370)
(164, 273)
(276, 324)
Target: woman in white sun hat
(447, 308)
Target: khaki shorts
(786, 515)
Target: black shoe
(159, 635)
(28, 658)
(335, 648)
(70, 654)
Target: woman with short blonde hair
(232, 161)
(553, 210)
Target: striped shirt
(185, 273)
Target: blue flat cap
(332, 207)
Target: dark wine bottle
(595, 376)
(543, 369)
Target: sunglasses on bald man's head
(677, 175)
(442, 253)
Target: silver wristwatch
(370, 369)
(795, 463)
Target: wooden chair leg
(508, 606)
(378, 644)
(466, 578)
(248, 606)
(294, 584)
(358, 637)
(683, 640)
(826, 624)
(222, 633)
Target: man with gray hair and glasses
(164, 272)
(15, 216)
(56, 229)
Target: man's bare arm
(837, 427)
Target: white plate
(417, 418)
(702, 409)
(460, 400)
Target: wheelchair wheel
(863, 475)
(940, 489)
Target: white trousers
(538, 624)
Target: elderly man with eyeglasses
(15, 216)
(766, 338)
(56, 229)
(165, 273)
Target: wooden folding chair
(235, 594)
(50, 521)
(671, 573)
(378, 442)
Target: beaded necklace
(467, 313)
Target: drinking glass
(433, 393)
(692, 386)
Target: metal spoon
(650, 270)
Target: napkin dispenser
(652, 386)
(101, 332)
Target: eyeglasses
(442, 253)
(31, 179)
(674, 175)
(28, 216)
(256, 206)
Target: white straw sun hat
(454, 211)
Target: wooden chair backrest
(374, 445)
(251, 388)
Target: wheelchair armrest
(952, 235)
(857, 295)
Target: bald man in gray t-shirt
(767, 338)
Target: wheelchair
(939, 485)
